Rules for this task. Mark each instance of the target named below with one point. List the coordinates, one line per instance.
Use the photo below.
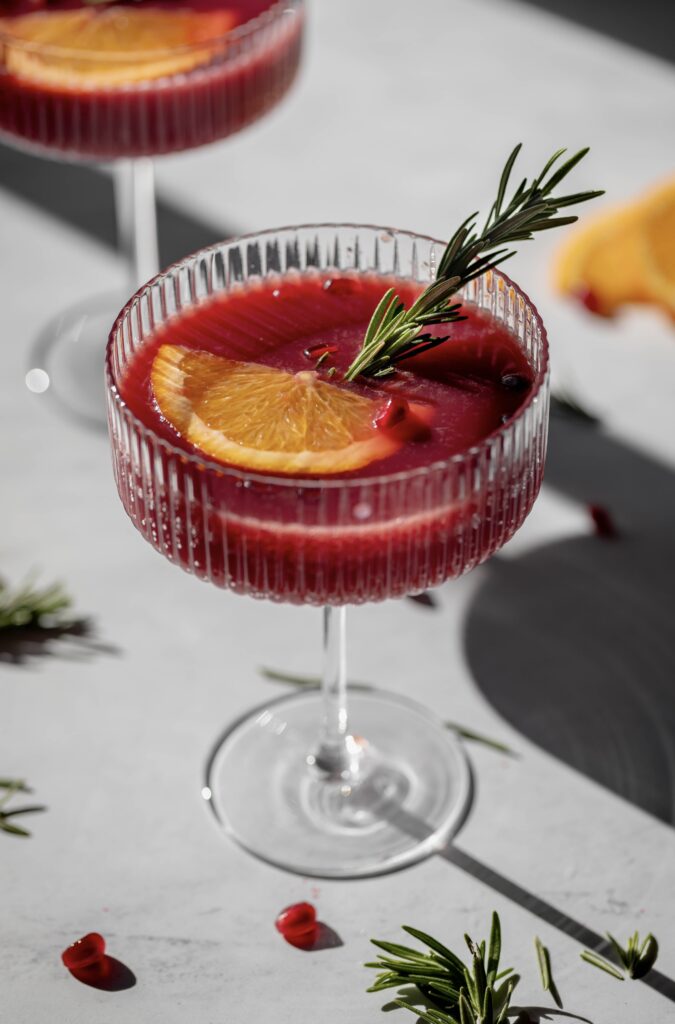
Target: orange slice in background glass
(262, 418)
(112, 47)
(658, 240)
(623, 256)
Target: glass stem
(334, 755)
(136, 215)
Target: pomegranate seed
(319, 351)
(605, 526)
(86, 952)
(392, 412)
(515, 382)
(591, 300)
(297, 923)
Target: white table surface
(114, 742)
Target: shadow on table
(110, 976)
(74, 641)
(537, 1014)
(81, 195)
(573, 643)
(648, 25)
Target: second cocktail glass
(306, 782)
(124, 84)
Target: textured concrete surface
(404, 121)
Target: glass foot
(71, 350)
(407, 791)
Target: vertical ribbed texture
(244, 79)
(330, 541)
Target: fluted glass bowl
(293, 782)
(325, 541)
(50, 98)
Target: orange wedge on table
(111, 47)
(262, 418)
(625, 255)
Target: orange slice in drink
(625, 255)
(262, 418)
(112, 47)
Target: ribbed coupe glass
(298, 782)
(84, 103)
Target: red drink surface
(277, 321)
(230, 86)
(397, 525)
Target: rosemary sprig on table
(12, 786)
(395, 333)
(454, 992)
(636, 958)
(29, 605)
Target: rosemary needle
(544, 961)
(604, 965)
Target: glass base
(410, 792)
(71, 350)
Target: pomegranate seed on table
(297, 923)
(603, 522)
(86, 952)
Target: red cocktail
(357, 535)
(125, 80)
(215, 374)
(140, 79)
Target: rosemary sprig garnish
(395, 333)
(544, 961)
(637, 958)
(454, 992)
(29, 605)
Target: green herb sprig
(396, 333)
(636, 958)
(11, 787)
(454, 992)
(29, 605)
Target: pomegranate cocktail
(252, 378)
(127, 78)
(333, 414)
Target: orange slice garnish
(658, 239)
(262, 418)
(625, 255)
(113, 47)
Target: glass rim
(247, 29)
(238, 473)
